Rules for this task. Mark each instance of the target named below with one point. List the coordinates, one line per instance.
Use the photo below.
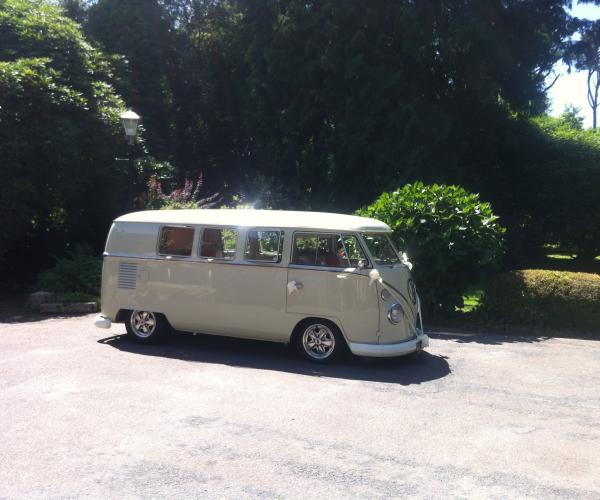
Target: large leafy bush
(76, 277)
(452, 237)
(544, 299)
(59, 134)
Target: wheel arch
(297, 330)
(123, 314)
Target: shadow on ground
(272, 356)
(486, 338)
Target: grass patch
(472, 300)
(561, 256)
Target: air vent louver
(127, 275)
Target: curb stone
(68, 307)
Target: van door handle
(294, 285)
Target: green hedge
(545, 299)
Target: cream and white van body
(259, 273)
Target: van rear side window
(176, 241)
(218, 243)
(263, 246)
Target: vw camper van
(323, 282)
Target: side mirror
(361, 264)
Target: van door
(324, 281)
(241, 298)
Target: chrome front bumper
(389, 350)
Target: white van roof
(259, 218)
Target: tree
(571, 117)
(584, 54)
(341, 101)
(59, 132)
(75, 9)
(568, 173)
(140, 31)
(346, 100)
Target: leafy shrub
(451, 236)
(75, 276)
(546, 299)
(565, 203)
(76, 297)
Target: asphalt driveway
(87, 413)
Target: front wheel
(319, 341)
(146, 327)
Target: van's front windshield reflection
(381, 248)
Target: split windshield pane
(381, 248)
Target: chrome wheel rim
(143, 323)
(318, 341)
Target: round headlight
(385, 295)
(395, 313)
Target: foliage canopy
(59, 131)
(290, 104)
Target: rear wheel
(146, 327)
(319, 341)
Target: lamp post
(130, 124)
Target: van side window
(323, 250)
(354, 250)
(218, 243)
(176, 241)
(263, 246)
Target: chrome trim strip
(328, 269)
(192, 259)
(202, 260)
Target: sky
(572, 88)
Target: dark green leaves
(59, 133)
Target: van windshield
(381, 248)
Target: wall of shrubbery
(543, 299)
